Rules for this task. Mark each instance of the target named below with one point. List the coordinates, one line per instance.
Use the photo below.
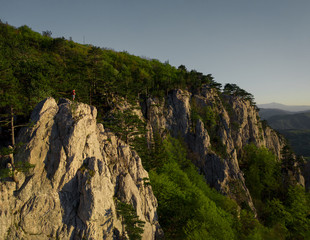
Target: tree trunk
(12, 126)
(13, 145)
(90, 92)
(12, 135)
(123, 229)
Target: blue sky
(261, 45)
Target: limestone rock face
(79, 169)
(237, 125)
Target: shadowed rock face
(79, 169)
(80, 166)
(238, 125)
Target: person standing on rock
(73, 94)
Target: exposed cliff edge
(80, 168)
(84, 180)
(224, 126)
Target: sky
(263, 46)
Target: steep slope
(294, 126)
(83, 170)
(299, 140)
(216, 141)
(79, 169)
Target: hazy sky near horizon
(261, 45)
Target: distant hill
(295, 126)
(90, 181)
(266, 113)
(284, 107)
(299, 140)
(298, 121)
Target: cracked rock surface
(79, 169)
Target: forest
(34, 66)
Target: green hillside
(294, 126)
(300, 121)
(299, 140)
(33, 67)
(266, 113)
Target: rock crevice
(79, 169)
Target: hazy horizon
(274, 107)
(262, 46)
(269, 103)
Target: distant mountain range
(283, 107)
(291, 121)
(266, 113)
(283, 120)
(300, 121)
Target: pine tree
(11, 99)
(130, 221)
(11, 105)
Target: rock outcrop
(80, 169)
(237, 124)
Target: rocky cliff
(80, 171)
(215, 127)
(81, 167)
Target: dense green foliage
(234, 90)
(188, 208)
(35, 66)
(262, 172)
(282, 205)
(130, 220)
(127, 125)
(7, 157)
